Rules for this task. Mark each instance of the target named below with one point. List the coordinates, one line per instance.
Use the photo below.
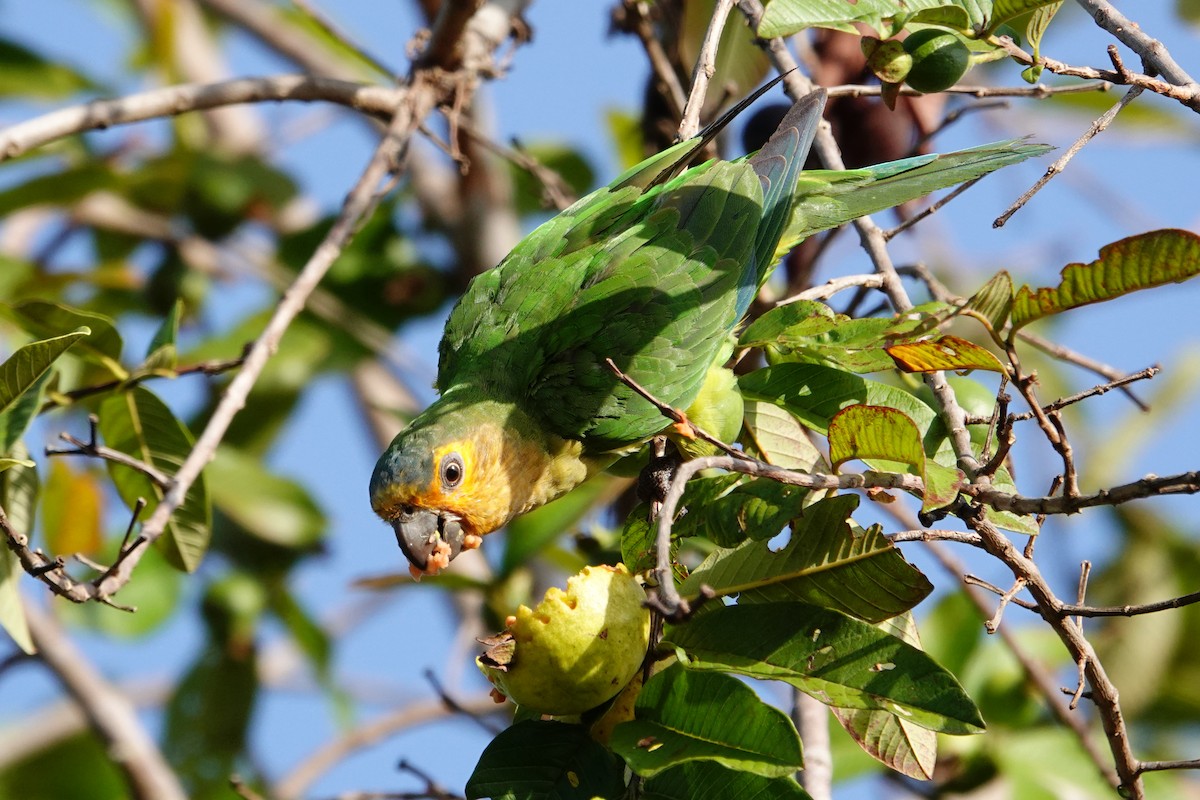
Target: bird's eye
(452, 471)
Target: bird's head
(427, 486)
(462, 469)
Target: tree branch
(174, 100)
(108, 712)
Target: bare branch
(833, 286)
(295, 784)
(1150, 486)
(1038, 676)
(171, 101)
(1104, 388)
(1101, 122)
(1154, 53)
(109, 713)
(1188, 94)
(634, 16)
(706, 64)
(1103, 692)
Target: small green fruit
(890, 62)
(940, 58)
(577, 649)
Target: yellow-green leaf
(943, 353)
(1139, 262)
(879, 434)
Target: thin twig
(1104, 388)
(684, 425)
(634, 16)
(1055, 350)
(934, 535)
(1158, 766)
(930, 211)
(706, 65)
(833, 286)
(93, 449)
(1039, 91)
(993, 623)
(210, 368)
(1101, 122)
(1037, 675)
(1080, 610)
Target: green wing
(827, 198)
(649, 280)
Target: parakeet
(654, 271)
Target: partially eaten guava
(577, 649)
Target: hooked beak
(429, 540)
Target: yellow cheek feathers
(503, 476)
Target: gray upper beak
(420, 531)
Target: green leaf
(306, 632)
(77, 765)
(15, 419)
(162, 354)
(728, 510)
(887, 439)
(1018, 523)
(1139, 262)
(838, 660)
(138, 423)
(789, 323)
(993, 302)
(543, 760)
(815, 394)
(102, 347)
(687, 716)
(943, 353)
(780, 439)
(60, 188)
(707, 780)
(566, 162)
(825, 563)
(1039, 20)
(892, 740)
(208, 717)
(18, 497)
(785, 17)
(637, 540)
(277, 509)
(24, 73)
(1004, 10)
(24, 370)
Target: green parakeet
(654, 271)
